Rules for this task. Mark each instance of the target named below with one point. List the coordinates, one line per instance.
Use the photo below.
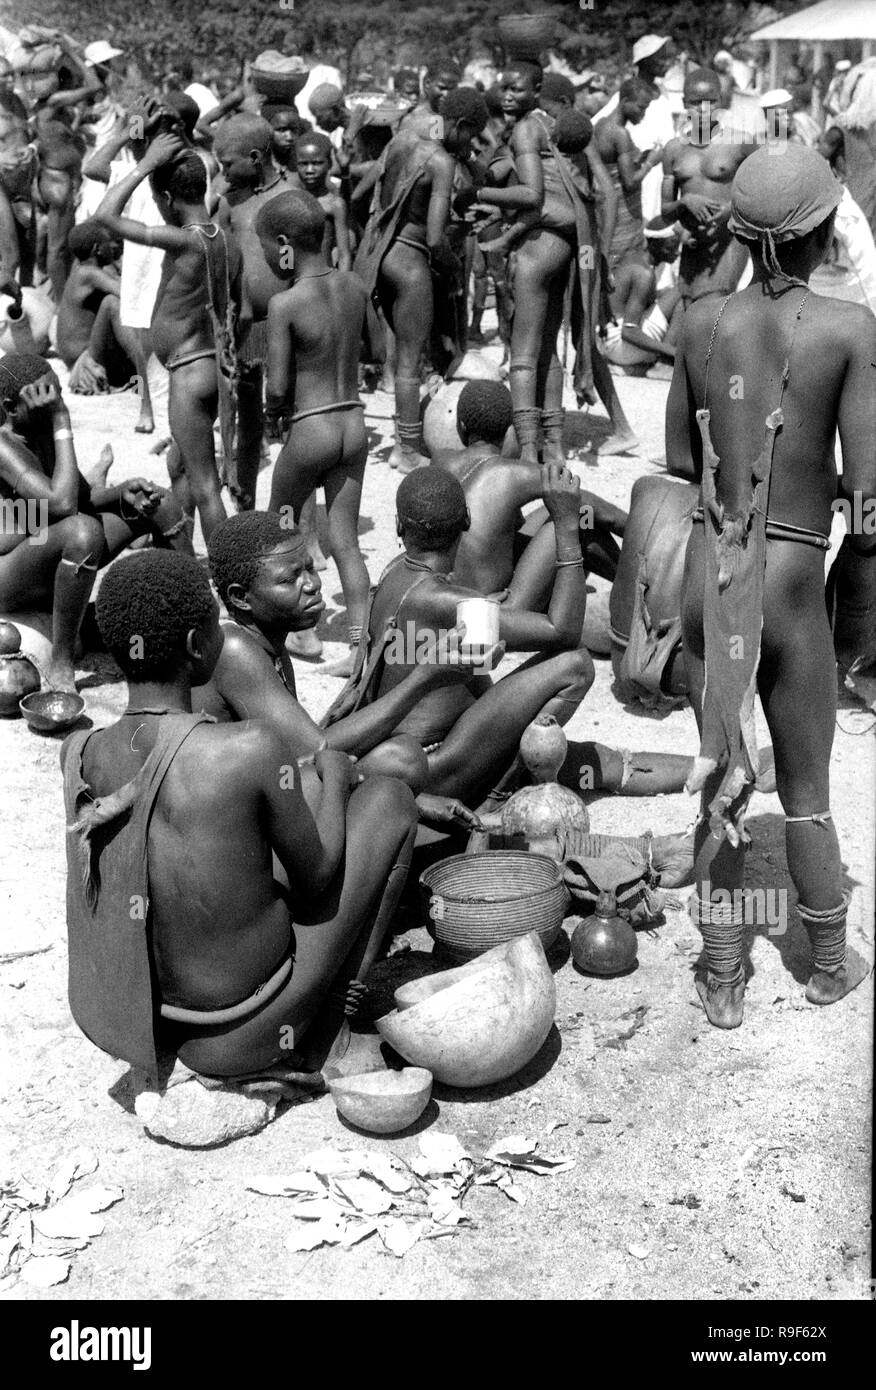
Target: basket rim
(543, 860)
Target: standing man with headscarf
(763, 383)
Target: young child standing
(314, 332)
(198, 291)
(313, 157)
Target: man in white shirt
(651, 58)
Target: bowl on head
(52, 711)
(383, 1102)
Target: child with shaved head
(196, 299)
(314, 333)
(313, 160)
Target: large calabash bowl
(479, 1023)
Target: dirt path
(734, 1164)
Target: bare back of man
(496, 489)
(829, 386)
(219, 933)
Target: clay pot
(604, 944)
(383, 1102)
(18, 677)
(479, 1023)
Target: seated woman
(265, 576)
(471, 732)
(62, 530)
(179, 936)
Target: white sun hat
(777, 97)
(648, 45)
(100, 52)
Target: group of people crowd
(282, 249)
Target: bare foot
(723, 1004)
(829, 988)
(145, 424)
(406, 460)
(529, 453)
(60, 675)
(304, 644)
(618, 444)
(97, 476)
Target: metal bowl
(52, 711)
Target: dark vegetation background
(376, 35)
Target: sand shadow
(425, 1121)
(523, 1080)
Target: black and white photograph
(437, 665)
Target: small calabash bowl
(383, 1102)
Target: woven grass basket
(278, 86)
(526, 35)
(472, 902)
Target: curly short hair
(147, 605)
(557, 87)
(17, 370)
(443, 65)
(185, 178)
(85, 238)
(318, 140)
(484, 410)
(431, 508)
(534, 71)
(239, 544)
(573, 131)
(633, 88)
(465, 104)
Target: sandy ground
(735, 1164)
